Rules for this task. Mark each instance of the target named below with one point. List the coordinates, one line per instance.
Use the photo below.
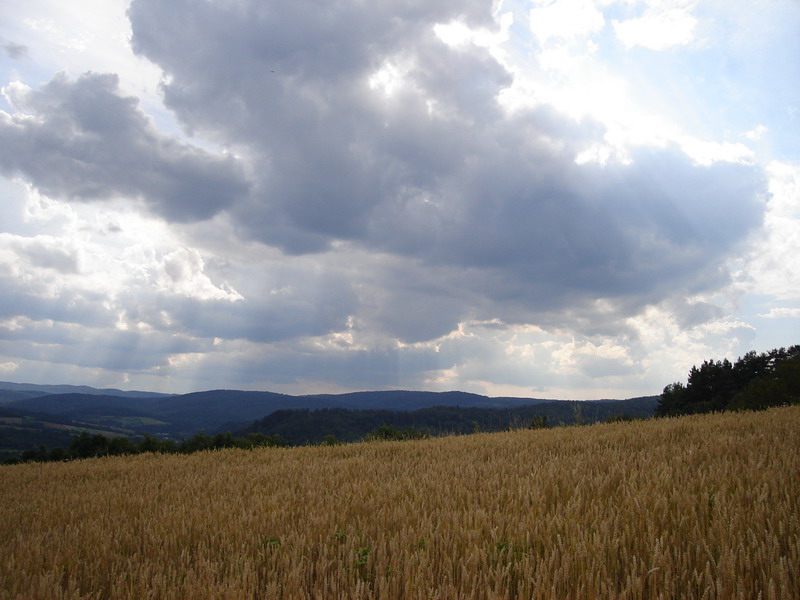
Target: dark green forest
(303, 426)
(754, 382)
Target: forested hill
(404, 400)
(220, 410)
(302, 426)
(33, 414)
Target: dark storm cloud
(558, 229)
(489, 210)
(290, 82)
(83, 140)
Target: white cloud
(182, 271)
(8, 367)
(664, 24)
(756, 133)
(782, 313)
(706, 152)
(773, 266)
(565, 19)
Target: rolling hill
(40, 414)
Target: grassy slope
(703, 506)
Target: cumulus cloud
(81, 139)
(427, 167)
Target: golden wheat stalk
(695, 507)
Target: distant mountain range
(7, 386)
(32, 414)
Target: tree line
(87, 445)
(754, 382)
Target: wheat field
(693, 507)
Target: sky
(570, 199)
